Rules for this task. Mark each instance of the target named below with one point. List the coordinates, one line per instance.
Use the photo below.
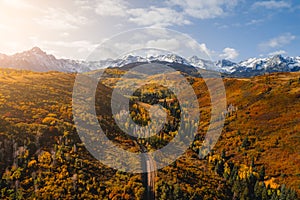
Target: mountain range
(38, 60)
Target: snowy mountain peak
(131, 59)
(278, 56)
(36, 50)
(225, 63)
(38, 60)
(172, 58)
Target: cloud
(271, 4)
(84, 44)
(157, 45)
(159, 17)
(254, 22)
(64, 34)
(229, 53)
(206, 50)
(201, 48)
(19, 4)
(83, 4)
(204, 9)
(83, 48)
(279, 52)
(60, 19)
(111, 8)
(276, 42)
(3, 27)
(169, 13)
(171, 44)
(147, 40)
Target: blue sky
(231, 29)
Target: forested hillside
(42, 157)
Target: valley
(44, 158)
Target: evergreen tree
(274, 196)
(257, 190)
(237, 188)
(219, 169)
(262, 174)
(252, 162)
(245, 194)
(223, 154)
(246, 143)
(283, 194)
(178, 194)
(264, 194)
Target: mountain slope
(37, 126)
(37, 60)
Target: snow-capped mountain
(203, 64)
(252, 66)
(37, 60)
(171, 58)
(256, 66)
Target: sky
(227, 29)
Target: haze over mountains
(38, 60)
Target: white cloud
(168, 13)
(145, 40)
(280, 52)
(111, 8)
(83, 4)
(84, 44)
(271, 4)
(276, 42)
(150, 45)
(206, 50)
(3, 27)
(159, 17)
(19, 4)
(60, 19)
(204, 9)
(170, 44)
(254, 22)
(65, 34)
(83, 47)
(229, 53)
